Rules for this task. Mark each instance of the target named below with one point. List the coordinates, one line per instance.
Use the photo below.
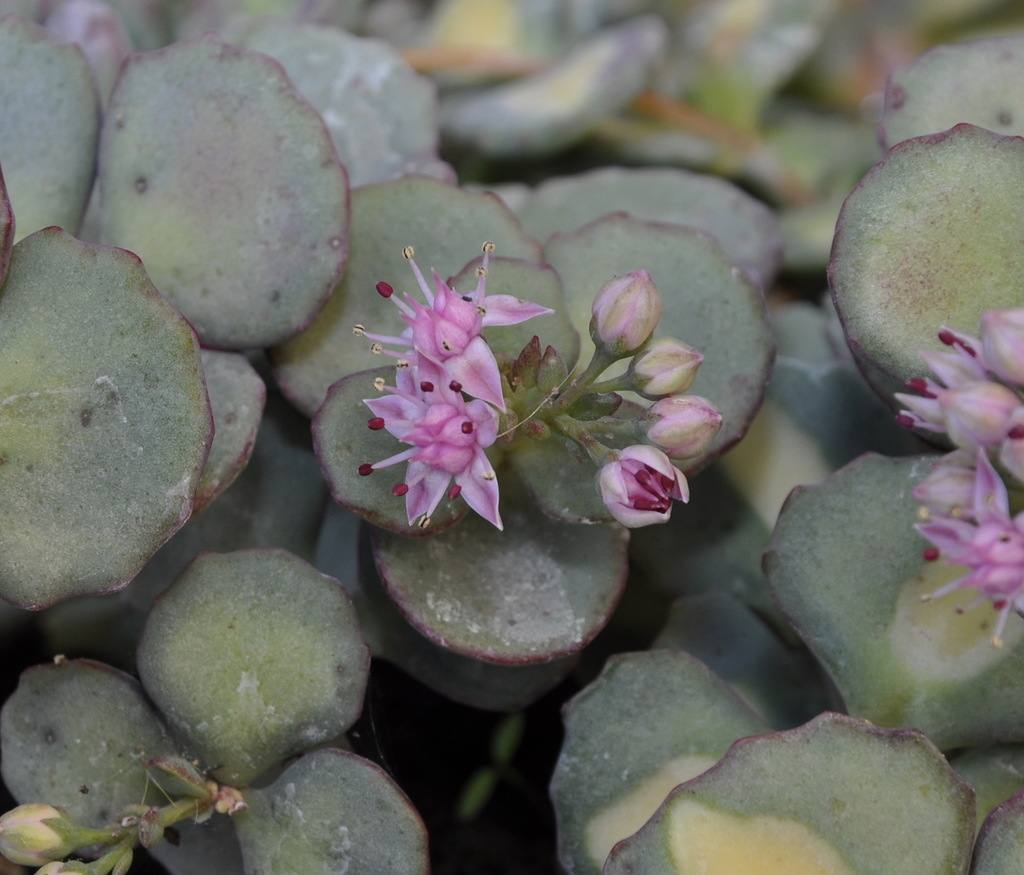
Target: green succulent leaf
(546, 111)
(381, 114)
(649, 722)
(332, 811)
(277, 501)
(746, 229)
(446, 226)
(929, 237)
(708, 302)
(1001, 840)
(78, 734)
(6, 230)
(781, 683)
(344, 551)
(537, 591)
(224, 180)
(253, 656)
(845, 565)
(996, 772)
(104, 423)
(51, 121)
(973, 82)
(836, 795)
(237, 395)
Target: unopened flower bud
(1011, 450)
(639, 486)
(684, 425)
(666, 367)
(626, 312)
(1002, 343)
(978, 414)
(32, 835)
(949, 487)
(551, 371)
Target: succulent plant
(422, 430)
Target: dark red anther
(1016, 433)
(365, 470)
(426, 386)
(998, 604)
(947, 337)
(377, 423)
(931, 554)
(385, 290)
(919, 385)
(905, 420)
(455, 491)
(643, 477)
(467, 427)
(400, 489)
(455, 386)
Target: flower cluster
(977, 400)
(452, 397)
(442, 357)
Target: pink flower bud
(1002, 343)
(978, 414)
(1011, 450)
(30, 834)
(950, 485)
(666, 367)
(684, 426)
(639, 486)
(626, 312)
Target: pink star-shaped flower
(989, 542)
(448, 436)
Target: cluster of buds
(452, 398)
(977, 401)
(36, 834)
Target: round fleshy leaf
(714, 541)
(344, 551)
(746, 229)
(332, 811)
(381, 114)
(343, 441)
(837, 795)
(277, 501)
(1000, 844)
(78, 735)
(104, 423)
(51, 120)
(536, 591)
(896, 277)
(6, 230)
(846, 566)
(782, 684)
(610, 778)
(446, 226)
(224, 180)
(994, 771)
(253, 656)
(237, 396)
(973, 82)
(550, 110)
(708, 302)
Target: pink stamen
(377, 423)
(365, 470)
(426, 386)
(400, 489)
(385, 290)
(931, 554)
(455, 386)
(455, 491)
(467, 427)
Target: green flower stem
(575, 430)
(583, 384)
(621, 383)
(183, 808)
